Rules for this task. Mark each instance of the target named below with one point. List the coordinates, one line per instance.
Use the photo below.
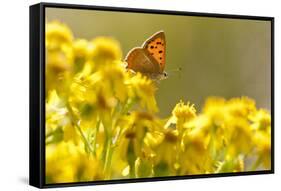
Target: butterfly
(149, 59)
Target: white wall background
(14, 72)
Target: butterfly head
(164, 75)
(159, 77)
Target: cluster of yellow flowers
(102, 123)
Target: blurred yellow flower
(103, 51)
(263, 146)
(57, 35)
(67, 162)
(241, 107)
(59, 57)
(81, 54)
(143, 89)
(196, 156)
(261, 120)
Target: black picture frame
(37, 93)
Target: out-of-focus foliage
(102, 122)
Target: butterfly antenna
(176, 70)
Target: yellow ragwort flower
(261, 120)
(181, 114)
(57, 35)
(143, 89)
(184, 111)
(103, 51)
(67, 162)
(81, 54)
(241, 107)
(59, 57)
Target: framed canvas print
(126, 95)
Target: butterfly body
(149, 59)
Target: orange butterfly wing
(156, 48)
(139, 61)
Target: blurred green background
(218, 57)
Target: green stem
(108, 157)
(77, 126)
(105, 142)
(96, 131)
(88, 145)
(256, 164)
(108, 149)
(128, 105)
(109, 124)
(107, 152)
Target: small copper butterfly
(149, 59)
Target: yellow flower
(113, 78)
(199, 126)
(88, 168)
(263, 145)
(153, 139)
(58, 122)
(59, 163)
(196, 158)
(83, 96)
(55, 117)
(261, 120)
(184, 111)
(241, 107)
(103, 51)
(238, 137)
(57, 35)
(71, 134)
(195, 148)
(99, 90)
(67, 162)
(81, 48)
(181, 114)
(143, 168)
(165, 146)
(143, 89)
(262, 138)
(59, 57)
(59, 60)
(120, 165)
(81, 54)
(59, 65)
(215, 108)
(230, 125)
(139, 123)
